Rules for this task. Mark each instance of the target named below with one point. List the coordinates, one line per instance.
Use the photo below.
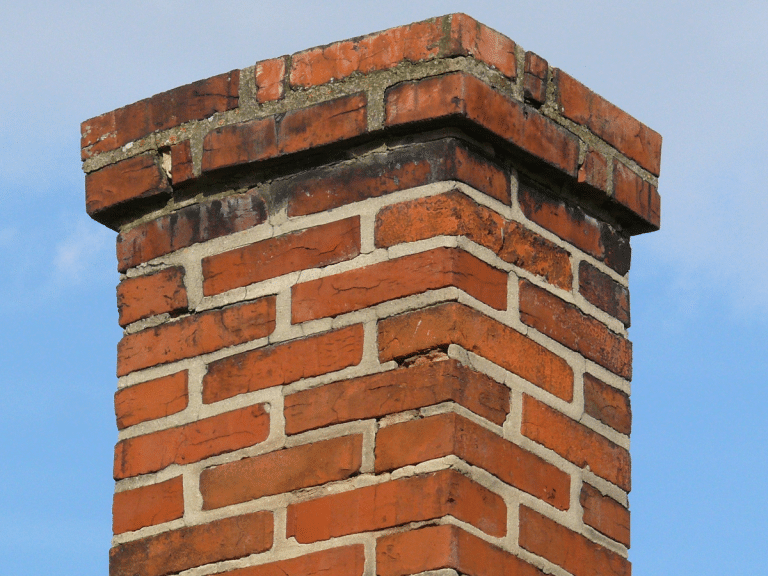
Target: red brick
(573, 225)
(604, 292)
(311, 248)
(270, 79)
(636, 194)
(144, 296)
(240, 144)
(405, 276)
(196, 335)
(98, 135)
(181, 163)
(323, 123)
(462, 96)
(576, 443)
(452, 323)
(569, 550)
(191, 442)
(282, 471)
(470, 37)
(152, 399)
(276, 365)
(613, 125)
(535, 79)
(398, 502)
(566, 324)
(454, 214)
(178, 550)
(140, 177)
(148, 505)
(189, 225)
(377, 174)
(379, 51)
(594, 170)
(604, 514)
(445, 546)
(396, 391)
(607, 404)
(343, 561)
(417, 441)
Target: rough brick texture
(378, 291)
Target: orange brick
(453, 323)
(270, 79)
(405, 276)
(150, 400)
(594, 170)
(569, 550)
(191, 442)
(607, 404)
(98, 135)
(572, 328)
(615, 126)
(396, 391)
(535, 79)
(276, 365)
(311, 248)
(148, 505)
(178, 550)
(576, 443)
(282, 471)
(446, 546)
(189, 225)
(417, 441)
(604, 292)
(454, 214)
(470, 37)
(636, 194)
(343, 561)
(182, 168)
(604, 514)
(144, 296)
(241, 143)
(459, 95)
(395, 503)
(196, 335)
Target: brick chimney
(375, 306)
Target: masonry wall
(375, 301)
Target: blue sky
(697, 72)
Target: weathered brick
(152, 399)
(282, 471)
(270, 79)
(178, 550)
(604, 292)
(535, 79)
(604, 514)
(630, 137)
(98, 135)
(241, 143)
(140, 177)
(379, 51)
(398, 502)
(342, 561)
(381, 173)
(607, 404)
(405, 276)
(569, 550)
(445, 546)
(417, 441)
(574, 225)
(575, 442)
(636, 194)
(144, 296)
(396, 391)
(463, 96)
(181, 163)
(196, 335)
(454, 214)
(452, 323)
(147, 505)
(594, 170)
(310, 248)
(191, 442)
(188, 226)
(471, 38)
(566, 324)
(276, 365)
